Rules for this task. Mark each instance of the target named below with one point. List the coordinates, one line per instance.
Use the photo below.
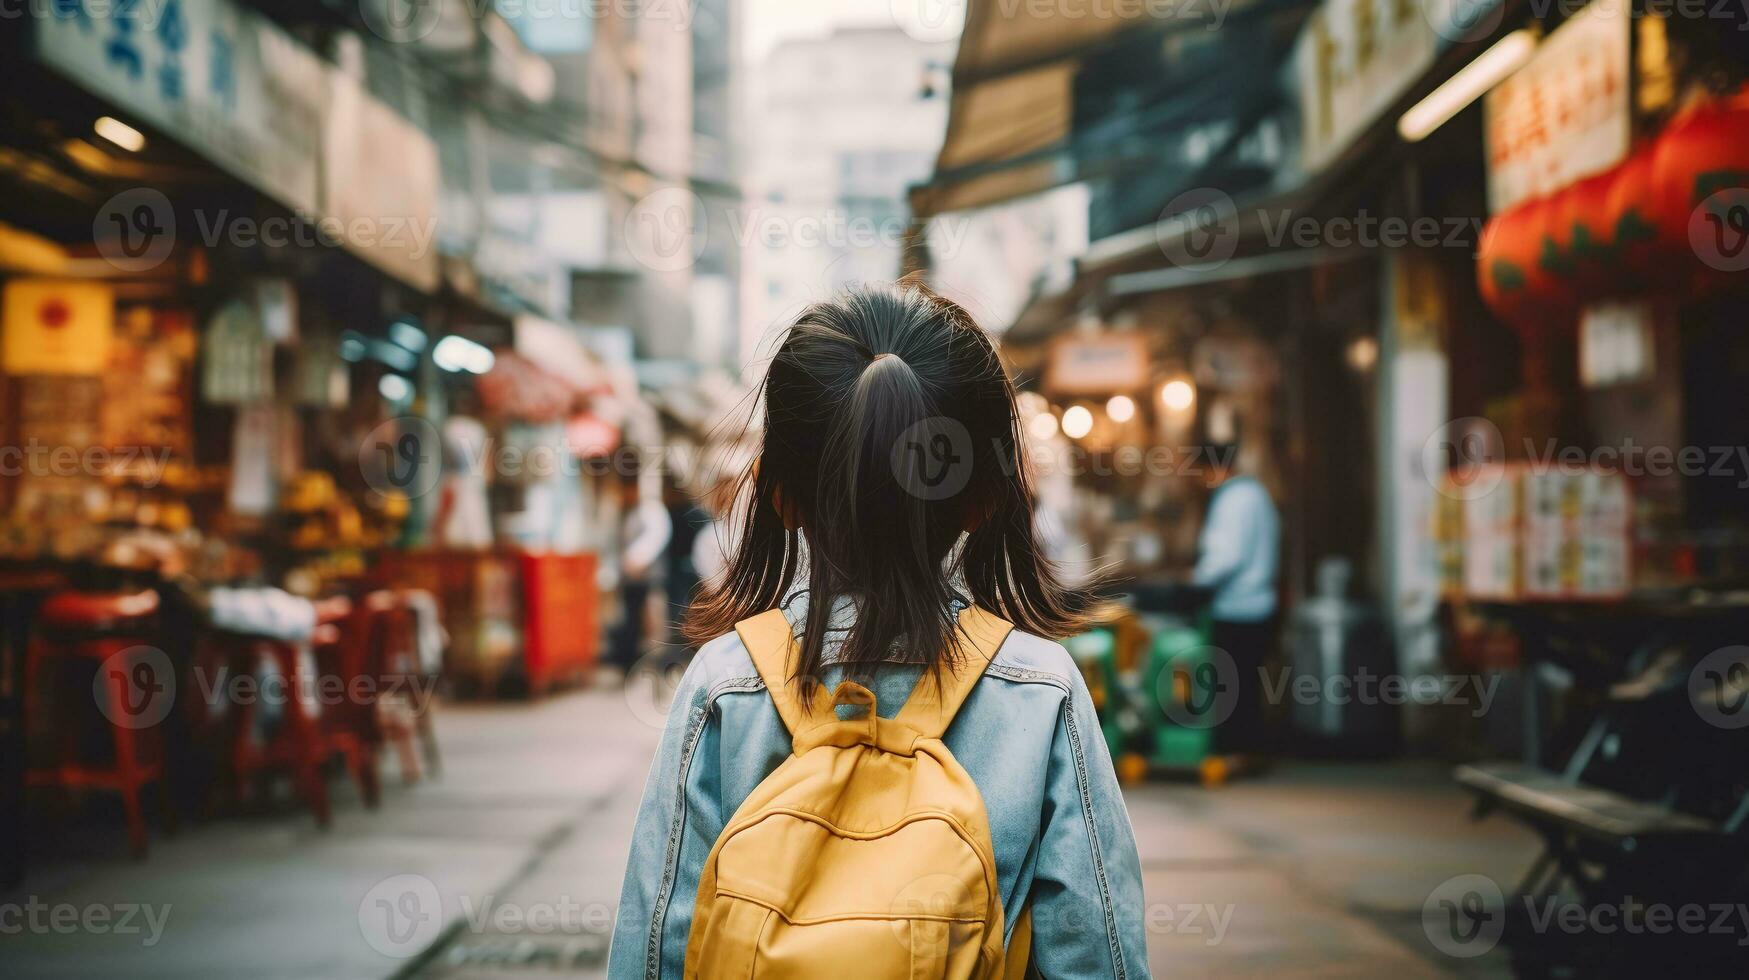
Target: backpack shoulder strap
(771, 643)
(937, 698)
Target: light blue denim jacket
(1027, 736)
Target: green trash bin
(1159, 717)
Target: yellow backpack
(868, 852)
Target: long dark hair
(890, 431)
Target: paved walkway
(273, 898)
(510, 867)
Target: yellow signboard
(52, 326)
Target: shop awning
(1011, 124)
(1013, 103)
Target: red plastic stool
(294, 746)
(134, 690)
(347, 723)
(403, 710)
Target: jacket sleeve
(1087, 887)
(678, 821)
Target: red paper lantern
(1586, 234)
(1632, 210)
(1513, 280)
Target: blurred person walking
(1239, 556)
(646, 530)
(689, 521)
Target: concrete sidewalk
(273, 898)
(510, 867)
(1316, 870)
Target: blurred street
(384, 382)
(1322, 870)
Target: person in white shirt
(1239, 560)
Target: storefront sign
(237, 366)
(1097, 363)
(1615, 343)
(1565, 115)
(56, 327)
(1355, 59)
(221, 79)
(380, 181)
